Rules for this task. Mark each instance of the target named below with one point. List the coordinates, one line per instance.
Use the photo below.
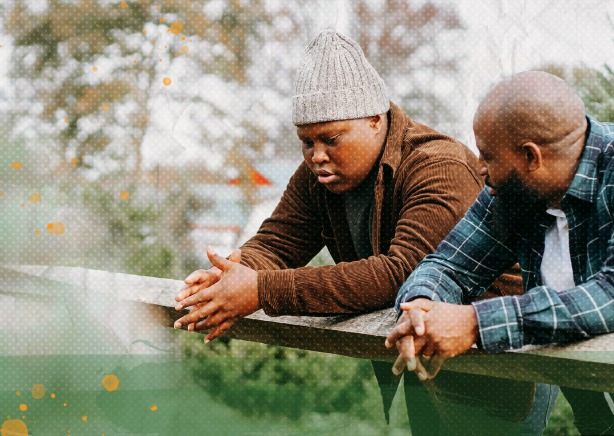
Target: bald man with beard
(548, 206)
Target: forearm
(544, 316)
(346, 288)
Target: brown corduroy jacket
(425, 183)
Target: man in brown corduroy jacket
(376, 188)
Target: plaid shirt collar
(585, 184)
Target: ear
(376, 122)
(532, 155)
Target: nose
(483, 168)
(319, 154)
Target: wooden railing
(586, 365)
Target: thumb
(217, 260)
(235, 256)
(421, 303)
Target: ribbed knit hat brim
(336, 82)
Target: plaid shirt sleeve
(469, 260)
(543, 315)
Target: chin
(337, 188)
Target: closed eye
(331, 141)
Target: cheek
(307, 155)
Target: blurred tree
(404, 42)
(268, 381)
(595, 86)
(88, 75)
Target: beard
(516, 208)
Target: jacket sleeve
(290, 238)
(435, 195)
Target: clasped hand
(428, 332)
(219, 296)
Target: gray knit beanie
(336, 82)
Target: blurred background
(150, 130)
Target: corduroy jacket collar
(393, 148)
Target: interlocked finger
(435, 365)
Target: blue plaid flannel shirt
(470, 258)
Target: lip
(326, 177)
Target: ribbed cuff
(340, 104)
(276, 292)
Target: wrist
(471, 318)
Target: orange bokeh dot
(162, 19)
(34, 198)
(166, 81)
(124, 4)
(185, 49)
(23, 407)
(95, 69)
(18, 393)
(135, 62)
(124, 195)
(154, 41)
(154, 407)
(110, 382)
(84, 418)
(74, 160)
(183, 38)
(36, 232)
(15, 165)
(56, 228)
(106, 107)
(38, 390)
(66, 120)
(144, 31)
(52, 395)
(176, 27)
(14, 427)
(65, 404)
(23, 205)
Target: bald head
(530, 130)
(532, 106)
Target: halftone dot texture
(86, 114)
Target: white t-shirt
(556, 269)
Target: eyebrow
(323, 135)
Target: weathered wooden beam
(586, 365)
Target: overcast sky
(509, 36)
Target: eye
(331, 141)
(307, 143)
